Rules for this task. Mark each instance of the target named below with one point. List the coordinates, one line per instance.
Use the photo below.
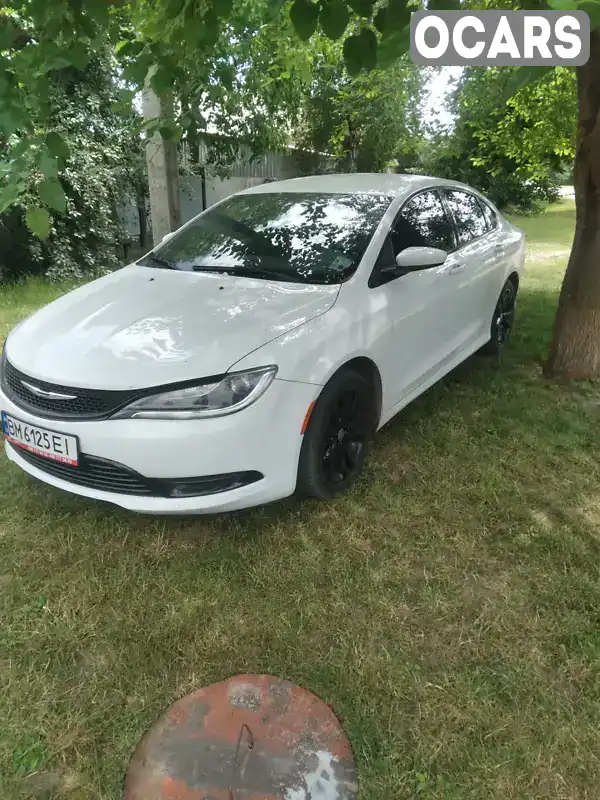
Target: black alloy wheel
(503, 319)
(336, 441)
(345, 436)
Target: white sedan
(255, 352)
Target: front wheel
(503, 319)
(335, 443)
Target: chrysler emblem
(49, 395)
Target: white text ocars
(255, 352)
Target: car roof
(385, 183)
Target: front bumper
(264, 438)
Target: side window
(423, 222)
(470, 222)
(489, 214)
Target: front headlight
(229, 394)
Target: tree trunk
(575, 347)
(163, 174)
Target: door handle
(498, 248)
(456, 268)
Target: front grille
(87, 403)
(110, 476)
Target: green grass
(448, 607)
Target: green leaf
(304, 16)
(226, 75)
(223, 8)
(174, 8)
(8, 196)
(86, 25)
(168, 131)
(126, 96)
(392, 46)
(380, 20)
(161, 81)
(51, 193)
(98, 10)
(192, 30)
(273, 9)
(200, 31)
(57, 146)
(22, 147)
(563, 5)
(47, 164)
(364, 8)
(8, 121)
(369, 45)
(352, 55)
(360, 51)
(592, 9)
(137, 69)
(131, 49)
(6, 33)
(521, 77)
(334, 18)
(442, 5)
(78, 55)
(398, 13)
(38, 221)
(56, 63)
(210, 33)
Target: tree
(241, 75)
(575, 346)
(68, 104)
(511, 149)
(366, 122)
(98, 147)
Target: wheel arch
(367, 368)
(514, 277)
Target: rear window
(490, 215)
(468, 216)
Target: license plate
(41, 441)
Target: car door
(503, 250)
(420, 305)
(475, 265)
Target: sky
(439, 87)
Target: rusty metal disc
(251, 737)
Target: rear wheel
(503, 319)
(340, 428)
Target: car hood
(141, 327)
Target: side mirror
(412, 259)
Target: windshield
(305, 237)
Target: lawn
(448, 608)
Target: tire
(503, 319)
(338, 435)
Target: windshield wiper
(161, 261)
(251, 272)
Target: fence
(197, 193)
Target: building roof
(352, 182)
